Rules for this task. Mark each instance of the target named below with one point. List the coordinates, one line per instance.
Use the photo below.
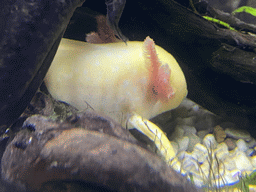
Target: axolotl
(129, 82)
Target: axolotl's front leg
(136, 80)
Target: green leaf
(219, 22)
(246, 9)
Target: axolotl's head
(117, 79)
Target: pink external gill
(159, 85)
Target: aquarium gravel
(209, 152)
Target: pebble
(229, 164)
(209, 141)
(183, 143)
(221, 151)
(206, 121)
(175, 146)
(252, 143)
(193, 140)
(202, 134)
(242, 162)
(222, 161)
(188, 130)
(238, 134)
(231, 143)
(177, 134)
(201, 153)
(253, 159)
(250, 152)
(190, 121)
(241, 145)
(205, 147)
(219, 133)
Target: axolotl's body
(117, 79)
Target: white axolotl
(130, 83)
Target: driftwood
(191, 28)
(60, 146)
(29, 37)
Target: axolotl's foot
(155, 134)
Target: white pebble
(241, 145)
(181, 155)
(242, 162)
(188, 129)
(193, 140)
(200, 147)
(205, 169)
(210, 142)
(232, 177)
(219, 182)
(175, 164)
(183, 172)
(249, 152)
(187, 103)
(178, 133)
(235, 173)
(201, 152)
(252, 143)
(253, 161)
(189, 164)
(187, 154)
(221, 151)
(229, 164)
(252, 188)
(198, 181)
(183, 143)
(219, 173)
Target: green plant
(246, 9)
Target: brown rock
(231, 143)
(219, 134)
